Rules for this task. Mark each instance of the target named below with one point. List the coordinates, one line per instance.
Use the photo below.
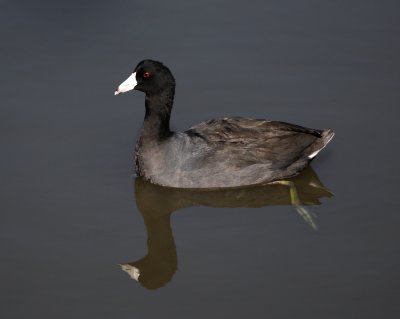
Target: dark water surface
(70, 202)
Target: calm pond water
(77, 227)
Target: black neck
(158, 112)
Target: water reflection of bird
(157, 203)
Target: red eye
(146, 75)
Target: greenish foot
(305, 213)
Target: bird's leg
(295, 201)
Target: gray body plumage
(229, 152)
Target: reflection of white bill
(132, 271)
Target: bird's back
(233, 152)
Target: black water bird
(226, 152)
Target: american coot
(227, 152)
